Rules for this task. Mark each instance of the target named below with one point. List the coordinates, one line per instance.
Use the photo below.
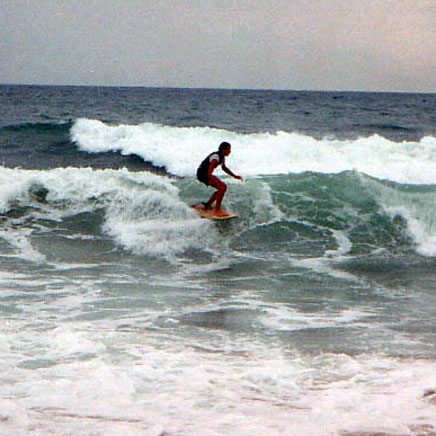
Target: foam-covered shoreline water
(184, 388)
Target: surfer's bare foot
(206, 206)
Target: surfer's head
(225, 148)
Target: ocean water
(122, 312)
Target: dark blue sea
(123, 312)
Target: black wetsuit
(203, 169)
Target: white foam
(142, 211)
(416, 208)
(180, 150)
(325, 265)
(279, 317)
(19, 239)
(131, 386)
(159, 237)
(344, 244)
(255, 202)
(155, 222)
(12, 186)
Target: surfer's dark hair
(224, 146)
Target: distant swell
(388, 127)
(39, 127)
(180, 149)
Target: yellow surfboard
(210, 213)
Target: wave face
(179, 150)
(308, 214)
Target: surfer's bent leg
(218, 195)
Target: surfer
(204, 175)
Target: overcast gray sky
(381, 45)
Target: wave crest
(180, 150)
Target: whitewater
(179, 150)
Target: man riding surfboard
(205, 175)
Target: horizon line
(218, 88)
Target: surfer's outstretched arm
(231, 173)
